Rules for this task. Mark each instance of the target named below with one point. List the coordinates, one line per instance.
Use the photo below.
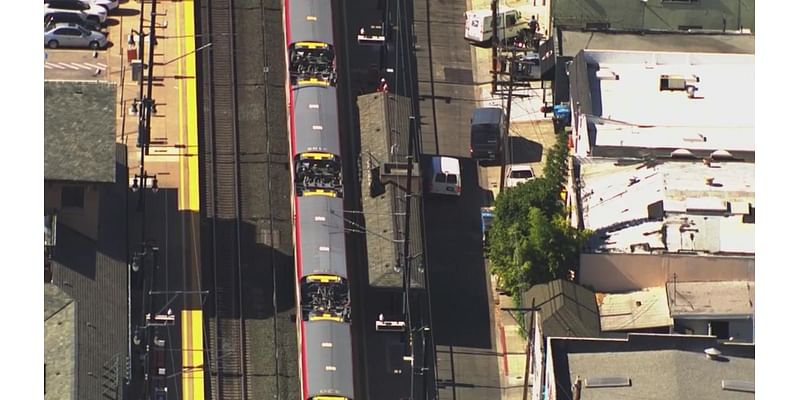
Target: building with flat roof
(670, 15)
(562, 47)
(667, 206)
(697, 104)
(724, 309)
(648, 366)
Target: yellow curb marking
(193, 377)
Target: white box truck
(478, 25)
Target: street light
(144, 177)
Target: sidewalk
(171, 124)
(529, 124)
(173, 151)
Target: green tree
(531, 240)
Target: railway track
(227, 339)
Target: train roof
(311, 21)
(329, 359)
(316, 120)
(322, 248)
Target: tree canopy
(531, 240)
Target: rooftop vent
(607, 381)
(682, 153)
(605, 74)
(691, 91)
(739, 386)
(722, 155)
(712, 353)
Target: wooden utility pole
(495, 44)
(528, 350)
(505, 140)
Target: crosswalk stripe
(54, 66)
(102, 65)
(82, 66)
(68, 65)
(94, 66)
(48, 67)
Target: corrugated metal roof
(646, 308)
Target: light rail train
(322, 287)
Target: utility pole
(528, 350)
(495, 44)
(505, 156)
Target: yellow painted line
(189, 198)
(191, 95)
(193, 376)
(182, 184)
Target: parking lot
(75, 64)
(64, 63)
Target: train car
(322, 291)
(309, 40)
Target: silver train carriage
(309, 33)
(320, 259)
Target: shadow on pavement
(458, 288)
(525, 151)
(123, 12)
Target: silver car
(73, 35)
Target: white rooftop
(698, 216)
(632, 108)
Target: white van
(478, 24)
(444, 176)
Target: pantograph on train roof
(325, 298)
(312, 63)
(318, 174)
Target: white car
(518, 173)
(94, 12)
(107, 4)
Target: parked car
(70, 16)
(92, 11)
(444, 176)
(487, 217)
(73, 35)
(518, 173)
(107, 4)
